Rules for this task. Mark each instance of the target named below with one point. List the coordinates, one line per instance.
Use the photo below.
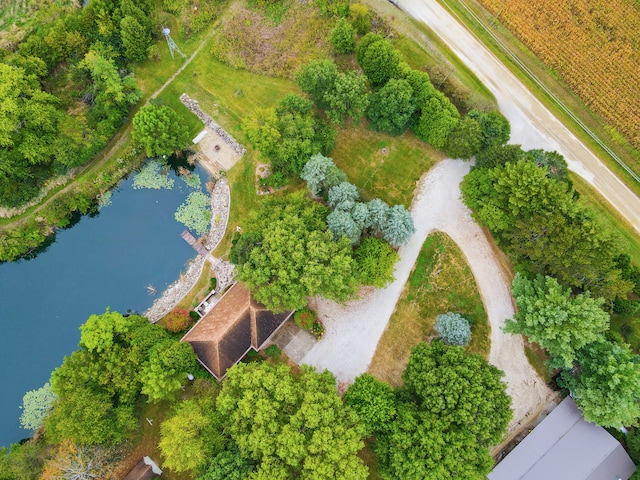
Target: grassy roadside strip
(619, 156)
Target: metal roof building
(564, 446)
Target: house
(231, 328)
(565, 446)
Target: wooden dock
(191, 240)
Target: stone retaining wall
(194, 106)
(220, 203)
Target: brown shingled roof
(234, 325)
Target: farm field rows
(593, 46)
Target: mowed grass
(383, 166)
(441, 281)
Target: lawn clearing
(383, 166)
(441, 281)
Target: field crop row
(593, 45)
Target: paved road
(532, 125)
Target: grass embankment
(441, 281)
(484, 26)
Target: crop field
(594, 46)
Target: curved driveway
(532, 125)
(354, 330)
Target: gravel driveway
(353, 330)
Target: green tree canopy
(464, 140)
(348, 99)
(297, 256)
(392, 107)
(166, 371)
(541, 226)
(321, 174)
(136, 39)
(604, 384)
(379, 60)
(495, 128)
(451, 408)
(291, 426)
(289, 134)
(342, 37)
(316, 78)
(192, 435)
(374, 402)
(159, 130)
(99, 384)
(434, 377)
(375, 262)
(550, 316)
(437, 119)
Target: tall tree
(437, 119)
(316, 78)
(604, 384)
(291, 426)
(36, 405)
(136, 39)
(348, 99)
(166, 371)
(297, 256)
(159, 130)
(192, 435)
(451, 408)
(495, 128)
(379, 60)
(342, 37)
(550, 316)
(321, 174)
(392, 107)
(464, 140)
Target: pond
(106, 260)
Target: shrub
(342, 37)
(360, 20)
(273, 351)
(305, 318)
(193, 315)
(622, 306)
(317, 329)
(453, 328)
(375, 262)
(178, 320)
(213, 283)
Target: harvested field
(594, 46)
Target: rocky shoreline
(174, 293)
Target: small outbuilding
(145, 469)
(231, 328)
(565, 446)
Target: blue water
(102, 261)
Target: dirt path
(353, 331)
(532, 125)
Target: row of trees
(602, 376)
(542, 226)
(564, 256)
(440, 423)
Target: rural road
(532, 125)
(354, 330)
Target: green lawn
(441, 281)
